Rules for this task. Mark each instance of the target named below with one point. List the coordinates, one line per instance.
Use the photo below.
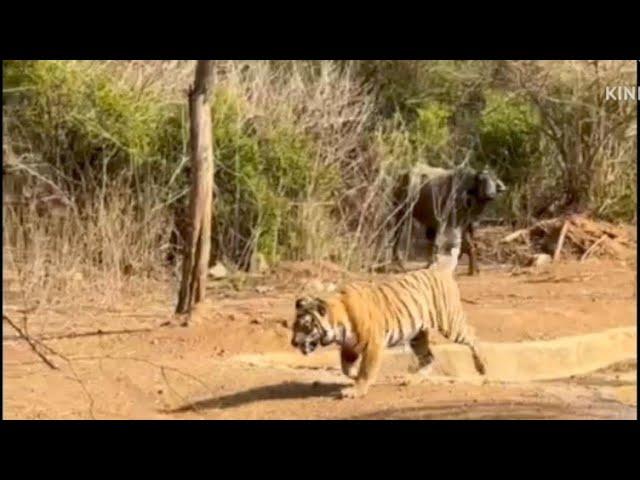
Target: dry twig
(563, 233)
(592, 248)
(33, 343)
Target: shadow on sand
(279, 391)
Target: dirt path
(203, 372)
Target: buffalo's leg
(468, 247)
(432, 247)
(448, 243)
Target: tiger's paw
(413, 369)
(352, 392)
(422, 370)
(409, 380)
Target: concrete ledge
(512, 362)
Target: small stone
(263, 289)
(540, 259)
(218, 271)
(331, 287)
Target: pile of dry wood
(574, 236)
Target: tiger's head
(311, 327)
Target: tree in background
(198, 247)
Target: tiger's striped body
(366, 318)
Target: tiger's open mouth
(309, 347)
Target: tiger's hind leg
(425, 361)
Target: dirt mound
(310, 268)
(571, 237)
(310, 276)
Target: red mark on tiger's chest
(348, 355)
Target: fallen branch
(83, 334)
(563, 233)
(513, 236)
(592, 248)
(33, 342)
(30, 341)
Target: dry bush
(316, 180)
(56, 251)
(594, 138)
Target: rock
(218, 271)
(540, 259)
(77, 277)
(330, 287)
(263, 289)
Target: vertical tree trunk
(198, 248)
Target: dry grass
(93, 253)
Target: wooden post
(197, 252)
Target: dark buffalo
(446, 203)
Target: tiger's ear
(322, 307)
(302, 303)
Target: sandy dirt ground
(116, 362)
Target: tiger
(364, 318)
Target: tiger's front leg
(350, 362)
(369, 368)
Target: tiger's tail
(465, 336)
